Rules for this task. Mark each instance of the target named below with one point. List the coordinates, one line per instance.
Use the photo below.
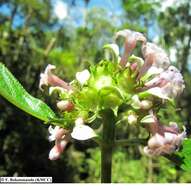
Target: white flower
(82, 131)
(131, 39)
(154, 71)
(83, 76)
(61, 138)
(58, 148)
(56, 133)
(44, 76)
(164, 144)
(157, 91)
(160, 58)
(131, 35)
(54, 153)
(169, 84)
(53, 132)
(154, 57)
(175, 85)
(156, 141)
(48, 78)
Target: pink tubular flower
(57, 150)
(48, 78)
(61, 138)
(154, 57)
(164, 144)
(170, 82)
(130, 43)
(164, 140)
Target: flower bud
(132, 119)
(65, 105)
(146, 104)
(134, 67)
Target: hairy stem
(108, 136)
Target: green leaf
(13, 91)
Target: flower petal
(83, 76)
(148, 119)
(59, 89)
(54, 153)
(83, 132)
(156, 91)
(136, 103)
(79, 121)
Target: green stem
(108, 136)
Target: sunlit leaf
(13, 91)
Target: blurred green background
(70, 34)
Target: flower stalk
(108, 138)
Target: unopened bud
(146, 104)
(65, 105)
(132, 119)
(134, 66)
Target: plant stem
(108, 136)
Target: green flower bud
(146, 104)
(132, 117)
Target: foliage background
(32, 35)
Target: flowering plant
(125, 86)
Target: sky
(63, 11)
(76, 14)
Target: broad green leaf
(13, 91)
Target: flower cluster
(142, 83)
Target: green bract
(107, 88)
